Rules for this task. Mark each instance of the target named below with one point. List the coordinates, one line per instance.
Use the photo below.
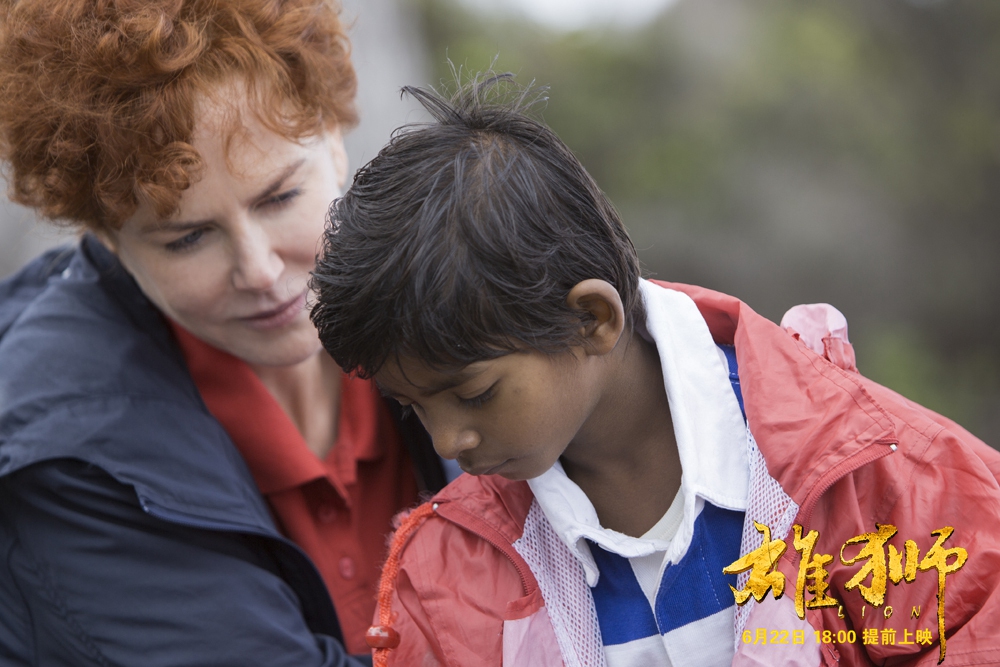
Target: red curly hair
(97, 97)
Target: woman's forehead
(229, 128)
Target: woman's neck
(626, 459)
(309, 393)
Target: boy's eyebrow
(436, 388)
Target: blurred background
(784, 152)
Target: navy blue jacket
(131, 530)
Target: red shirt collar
(277, 454)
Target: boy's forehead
(412, 375)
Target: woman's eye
(478, 401)
(187, 241)
(281, 199)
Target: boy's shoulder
(487, 505)
(459, 575)
(469, 512)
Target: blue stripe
(734, 375)
(623, 611)
(695, 587)
(689, 591)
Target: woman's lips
(276, 318)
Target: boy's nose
(450, 445)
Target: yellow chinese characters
(882, 562)
(874, 552)
(937, 557)
(760, 562)
(812, 574)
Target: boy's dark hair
(461, 240)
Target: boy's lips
(480, 470)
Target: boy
(477, 272)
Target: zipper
(878, 450)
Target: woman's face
(232, 264)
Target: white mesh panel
(768, 504)
(564, 588)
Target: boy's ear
(602, 301)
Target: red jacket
(847, 453)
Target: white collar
(708, 425)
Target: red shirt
(338, 509)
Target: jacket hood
(802, 410)
(91, 372)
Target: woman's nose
(258, 265)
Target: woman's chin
(293, 346)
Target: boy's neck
(625, 457)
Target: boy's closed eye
(475, 401)
(479, 400)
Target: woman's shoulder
(77, 332)
(75, 299)
(91, 373)
(74, 320)
(18, 290)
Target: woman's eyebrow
(275, 185)
(184, 225)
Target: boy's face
(511, 416)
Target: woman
(184, 477)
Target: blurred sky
(839, 151)
(575, 14)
